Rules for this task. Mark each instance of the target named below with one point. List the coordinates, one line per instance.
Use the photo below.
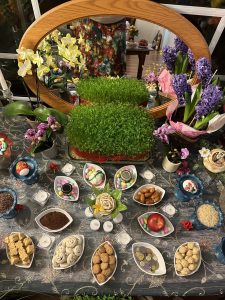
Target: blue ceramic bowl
(11, 213)
(198, 225)
(32, 176)
(220, 251)
(186, 196)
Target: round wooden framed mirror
(139, 9)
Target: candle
(3, 82)
(68, 169)
(88, 213)
(95, 225)
(123, 238)
(41, 197)
(46, 241)
(118, 219)
(108, 226)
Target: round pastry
(61, 249)
(185, 271)
(96, 269)
(71, 242)
(79, 239)
(102, 249)
(60, 258)
(112, 259)
(69, 250)
(96, 259)
(101, 278)
(195, 250)
(108, 249)
(104, 266)
(64, 265)
(107, 272)
(190, 245)
(77, 250)
(192, 267)
(55, 264)
(179, 267)
(71, 258)
(104, 257)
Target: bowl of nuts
(149, 194)
(187, 259)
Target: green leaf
(201, 123)
(184, 64)
(60, 116)
(42, 113)
(179, 63)
(196, 98)
(121, 207)
(106, 189)
(96, 191)
(114, 213)
(187, 97)
(18, 108)
(116, 194)
(90, 201)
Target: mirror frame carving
(141, 9)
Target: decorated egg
(190, 186)
(22, 168)
(96, 178)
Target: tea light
(68, 169)
(88, 213)
(118, 219)
(41, 197)
(95, 225)
(148, 175)
(169, 209)
(108, 226)
(46, 241)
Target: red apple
(156, 222)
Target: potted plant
(42, 138)
(102, 90)
(110, 132)
(132, 32)
(173, 159)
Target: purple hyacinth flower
(43, 126)
(162, 133)
(180, 86)
(30, 134)
(191, 60)
(184, 153)
(210, 98)
(169, 57)
(204, 70)
(180, 46)
(51, 120)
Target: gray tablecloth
(128, 279)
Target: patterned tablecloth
(128, 279)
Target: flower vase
(169, 166)
(51, 152)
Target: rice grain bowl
(208, 215)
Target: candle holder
(7, 94)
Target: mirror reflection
(112, 46)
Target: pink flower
(165, 82)
(184, 153)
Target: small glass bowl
(186, 196)
(11, 213)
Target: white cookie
(71, 258)
(61, 249)
(71, 242)
(77, 250)
(79, 239)
(69, 250)
(60, 258)
(64, 265)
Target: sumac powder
(54, 220)
(6, 201)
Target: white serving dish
(45, 212)
(101, 186)
(134, 173)
(71, 181)
(158, 188)
(83, 243)
(199, 263)
(100, 284)
(162, 265)
(31, 257)
(161, 233)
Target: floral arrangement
(42, 137)
(151, 77)
(106, 202)
(197, 109)
(57, 59)
(133, 31)
(176, 156)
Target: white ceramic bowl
(162, 266)
(45, 212)
(71, 181)
(133, 169)
(101, 186)
(158, 188)
(31, 256)
(199, 262)
(100, 284)
(83, 243)
(158, 234)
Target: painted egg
(190, 186)
(22, 168)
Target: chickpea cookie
(96, 269)
(96, 259)
(101, 278)
(104, 257)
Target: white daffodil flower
(204, 152)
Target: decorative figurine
(22, 168)
(188, 187)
